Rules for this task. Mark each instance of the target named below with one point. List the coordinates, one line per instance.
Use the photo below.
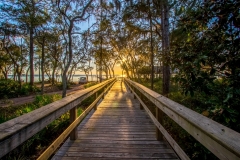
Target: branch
(83, 12)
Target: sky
(84, 26)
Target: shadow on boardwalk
(118, 129)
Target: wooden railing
(223, 142)
(14, 132)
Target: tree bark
(151, 45)
(64, 78)
(165, 47)
(27, 74)
(31, 57)
(42, 65)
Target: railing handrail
(16, 131)
(220, 140)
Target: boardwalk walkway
(118, 129)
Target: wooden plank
(116, 130)
(73, 126)
(100, 158)
(118, 155)
(115, 145)
(140, 142)
(220, 140)
(118, 150)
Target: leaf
(191, 93)
(228, 97)
(212, 71)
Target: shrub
(90, 84)
(8, 88)
(42, 100)
(60, 86)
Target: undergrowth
(33, 147)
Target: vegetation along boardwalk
(118, 129)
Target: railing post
(141, 96)
(103, 93)
(96, 96)
(134, 92)
(159, 115)
(73, 117)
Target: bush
(35, 145)
(11, 112)
(26, 89)
(60, 86)
(10, 89)
(42, 100)
(90, 84)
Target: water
(75, 78)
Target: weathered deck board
(118, 129)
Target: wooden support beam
(73, 117)
(159, 115)
(220, 140)
(96, 96)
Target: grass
(8, 113)
(90, 84)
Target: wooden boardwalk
(118, 129)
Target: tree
(208, 58)
(43, 37)
(165, 46)
(70, 18)
(27, 15)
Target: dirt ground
(48, 89)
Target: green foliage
(10, 88)
(60, 86)
(35, 144)
(90, 84)
(192, 147)
(26, 89)
(207, 56)
(11, 112)
(42, 100)
(197, 103)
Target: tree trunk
(42, 65)
(165, 47)
(14, 72)
(31, 57)
(113, 74)
(39, 71)
(64, 78)
(151, 44)
(53, 72)
(19, 76)
(27, 74)
(5, 74)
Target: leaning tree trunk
(64, 77)
(165, 47)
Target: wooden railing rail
(220, 140)
(16, 131)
